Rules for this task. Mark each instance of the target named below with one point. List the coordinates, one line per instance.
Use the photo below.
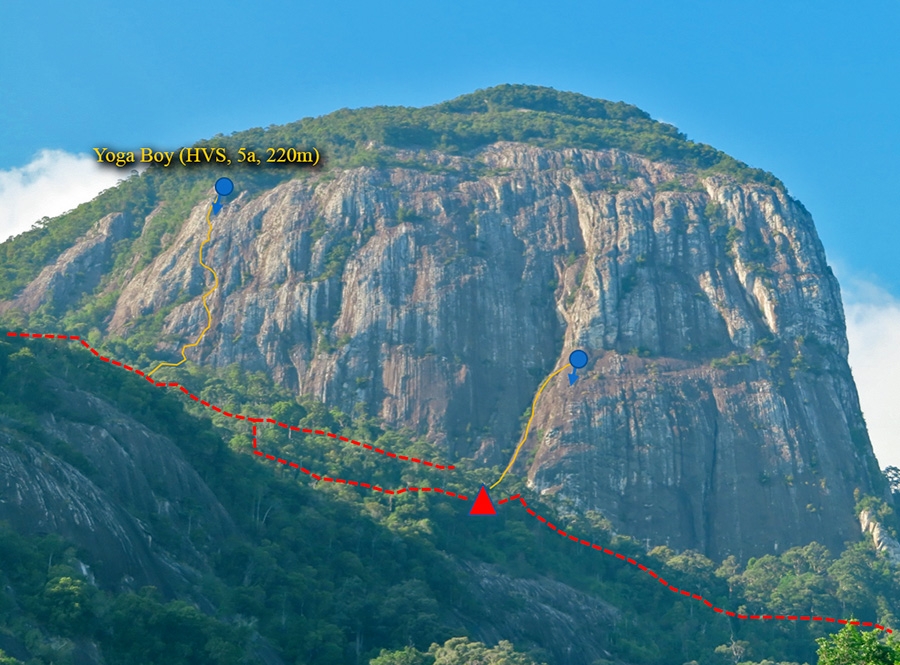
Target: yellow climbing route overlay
(224, 186)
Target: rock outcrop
(77, 271)
(575, 626)
(103, 481)
(881, 538)
(717, 413)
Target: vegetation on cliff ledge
(526, 114)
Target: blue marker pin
(577, 359)
(224, 187)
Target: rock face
(77, 271)
(121, 482)
(540, 611)
(881, 538)
(717, 413)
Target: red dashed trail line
(682, 592)
(227, 414)
(436, 490)
(353, 483)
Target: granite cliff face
(106, 483)
(717, 413)
(78, 270)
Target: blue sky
(806, 90)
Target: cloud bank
(873, 329)
(52, 183)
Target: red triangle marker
(483, 504)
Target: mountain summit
(445, 260)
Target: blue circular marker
(578, 359)
(224, 186)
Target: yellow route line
(528, 426)
(205, 296)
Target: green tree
(144, 630)
(410, 611)
(460, 651)
(68, 602)
(734, 651)
(456, 651)
(855, 579)
(8, 660)
(762, 577)
(852, 647)
(288, 412)
(805, 587)
(406, 656)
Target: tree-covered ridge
(520, 113)
(332, 574)
(527, 114)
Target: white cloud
(873, 329)
(52, 183)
